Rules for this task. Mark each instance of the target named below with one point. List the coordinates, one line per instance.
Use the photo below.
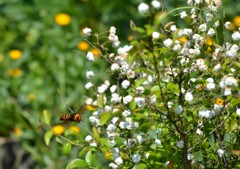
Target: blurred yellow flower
(201, 87)
(1, 57)
(182, 39)
(236, 21)
(17, 131)
(108, 155)
(95, 52)
(91, 108)
(15, 54)
(15, 72)
(219, 101)
(31, 97)
(58, 129)
(209, 41)
(75, 129)
(62, 19)
(83, 45)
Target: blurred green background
(39, 40)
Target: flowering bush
(173, 100)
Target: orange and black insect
(73, 116)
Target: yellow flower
(31, 97)
(15, 54)
(201, 87)
(236, 21)
(62, 19)
(108, 155)
(1, 57)
(219, 101)
(182, 39)
(90, 108)
(75, 129)
(83, 45)
(15, 72)
(96, 52)
(17, 131)
(209, 41)
(58, 129)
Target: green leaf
(141, 166)
(198, 156)
(139, 30)
(47, 137)
(155, 90)
(46, 117)
(66, 148)
(132, 105)
(76, 163)
(100, 100)
(85, 150)
(104, 142)
(96, 134)
(90, 158)
(139, 82)
(105, 117)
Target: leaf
(100, 100)
(66, 148)
(90, 158)
(76, 163)
(198, 156)
(141, 166)
(46, 117)
(96, 134)
(104, 142)
(139, 82)
(132, 105)
(104, 118)
(155, 90)
(139, 30)
(132, 25)
(85, 150)
(47, 137)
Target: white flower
(199, 132)
(211, 32)
(94, 121)
(178, 109)
(227, 24)
(155, 35)
(210, 85)
(159, 131)
(102, 88)
(127, 99)
(88, 138)
(125, 84)
(227, 91)
(111, 128)
(153, 99)
(140, 90)
(216, 24)
(88, 85)
(90, 56)
(89, 101)
(217, 67)
(201, 65)
(203, 27)
(167, 42)
(180, 144)
(93, 144)
(126, 113)
(217, 108)
(143, 8)
(183, 14)
(139, 101)
(136, 158)
(147, 155)
(232, 52)
(238, 111)
(190, 157)
(156, 4)
(206, 114)
(115, 67)
(208, 17)
(118, 161)
(228, 81)
(115, 119)
(140, 139)
(90, 74)
(113, 88)
(157, 142)
(220, 152)
(113, 165)
(124, 49)
(173, 28)
(87, 31)
(115, 98)
(236, 36)
(188, 96)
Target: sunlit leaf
(66, 148)
(90, 158)
(85, 150)
(47, 137)
(76, 163)
(105, 117)
(46, 117)
(96, 134)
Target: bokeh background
(40, 54)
